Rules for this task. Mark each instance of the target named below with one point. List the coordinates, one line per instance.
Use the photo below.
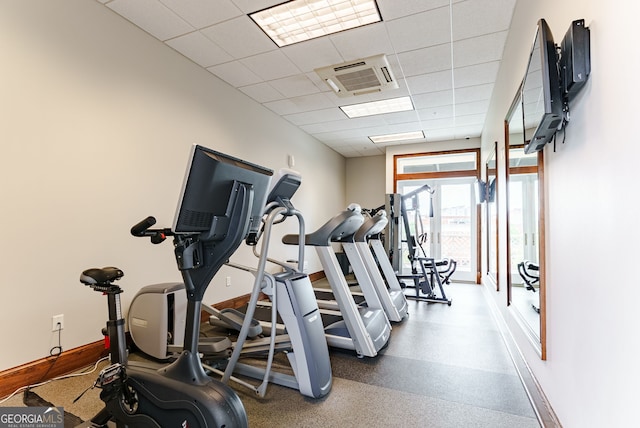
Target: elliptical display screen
(204, 201)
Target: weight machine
(427, 274)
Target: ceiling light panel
(301, 20)
(404, 136)
(391, 105)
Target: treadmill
(367, 273)
(364, 329)
(391, 295)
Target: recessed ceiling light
(391, 105)
(404, 136)
(299, 20)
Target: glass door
(452, 231)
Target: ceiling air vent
(363, 76)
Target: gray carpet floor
(445, 366)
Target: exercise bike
(220, 204)
(139, 397)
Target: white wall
(366, 181)
(96, 122)
(592, 234)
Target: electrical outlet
(228, 281)
(55, 320)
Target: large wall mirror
(525, 230)
(492, 216)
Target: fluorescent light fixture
(391, 105)
(299, 20)
(404, 136)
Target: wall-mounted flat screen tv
(542, 101)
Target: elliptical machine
(158, 310)
(221, 202)
(301, 333)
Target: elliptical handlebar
(142, 229)
(139, 228)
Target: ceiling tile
(479, 17)
(202, 13)
(443, 134)
(476, 107)
(240, 37)
(393, 9)
(341, 124)
(348, 151)
(433, 99)
(271, 65)
(199, 49)
(313, 54)
(474, 93)
(332, 137)
(235, 74)
(400, 117)
(363, 42)
(316, 116)
(300, 104)
(470, 131)
(436, 112)
(446, 122)
(476, 74)
(432, 82)
(470, 119)
(426, 60)
(421, 30)
(394, 129)
(479, 50)
(250, 6)
(262, 92)
(152, 16)
(369, 149)
(295, 86)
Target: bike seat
(104, 276)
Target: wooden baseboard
(50, 367)
(317, 275)
(83, 356)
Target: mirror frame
(540, 343)
(493, 276)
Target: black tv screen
(204, 200)
(541, 96)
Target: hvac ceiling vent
(363, 76)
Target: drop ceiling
(445, 55)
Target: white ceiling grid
(444, 54)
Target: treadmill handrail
(340, 228)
